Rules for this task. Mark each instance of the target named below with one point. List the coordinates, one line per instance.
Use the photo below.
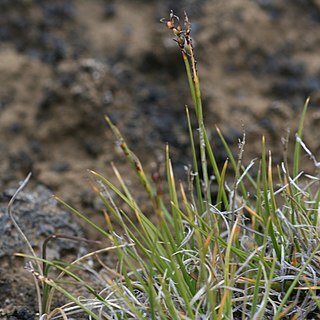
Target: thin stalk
(195, 164)
(297, 149)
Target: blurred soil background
(64, 64)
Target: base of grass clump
(235, 255)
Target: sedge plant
(250, 251)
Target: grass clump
(251, 251)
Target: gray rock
(38, 216)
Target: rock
(60, 167)
(110, 9)
(21, 314)
(38, 216)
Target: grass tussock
(250, 251)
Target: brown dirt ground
(64, 64)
